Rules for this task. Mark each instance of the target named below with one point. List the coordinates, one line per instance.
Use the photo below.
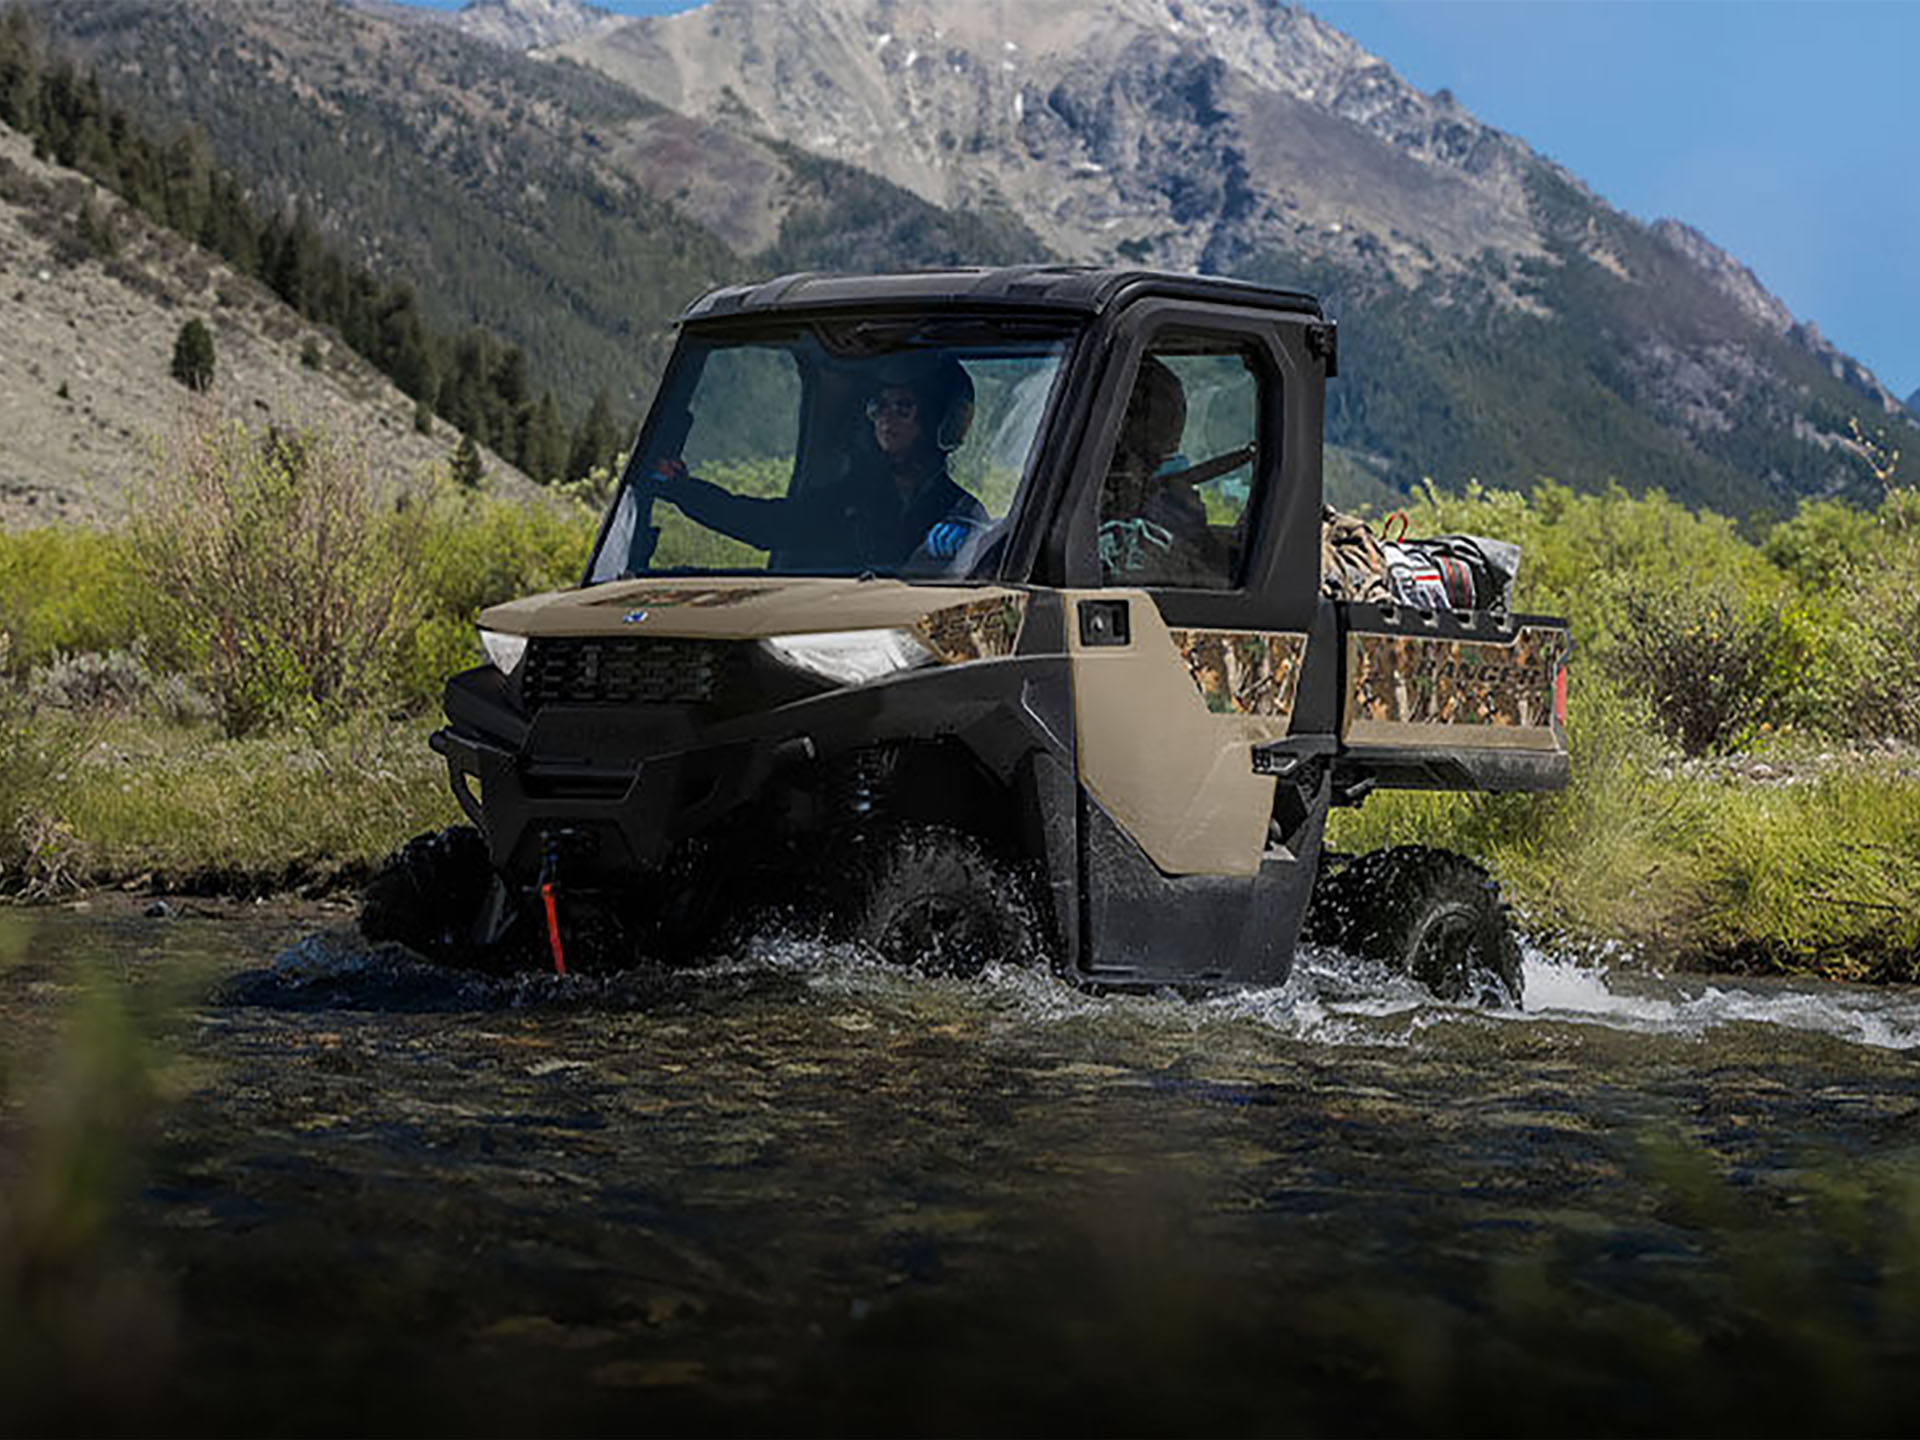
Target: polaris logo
(633, 617)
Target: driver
(896, 499)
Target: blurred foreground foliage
(269, 635)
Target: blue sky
(1787, 130)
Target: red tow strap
(553, 930)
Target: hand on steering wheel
(663, 474)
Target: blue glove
(944, 540)
(664, 474)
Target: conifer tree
(543, 441)
(468, 468)
(193, 357)
(595, 440)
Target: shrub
(282, 581)
(92, 680)
(65, 589)
(193, 356)
(1707, 667)
(479, 551)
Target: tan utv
(981, 615)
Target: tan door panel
(1166, 726)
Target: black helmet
(1156, 412)
(941, 386)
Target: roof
(1052, 288)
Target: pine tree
(468, 468)
(543, 441)
(595, 440)
(193, 357)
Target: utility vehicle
(1058, 678)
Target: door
(1183, 663)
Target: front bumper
(619, 820)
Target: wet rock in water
(159, 910)
(339, 970)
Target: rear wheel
(940, 901)
(1431, 914)
(429, 894)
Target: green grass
(177, 806)
(1812, 870)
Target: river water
(796, 1191)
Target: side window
(1176, 506)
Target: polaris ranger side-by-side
(980, 613)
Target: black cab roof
(1071, 289)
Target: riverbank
(232, 693)
(1796, 861)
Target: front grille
(617, 670)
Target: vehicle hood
(740, 607)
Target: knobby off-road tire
(1430, 914)
(429, 893)
(940, 901)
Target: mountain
(1913, 402)
(96, 296)
(1499, 319)
(541, 201)
(530, 24)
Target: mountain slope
(539, 200)
(1501, 319)
(95, 299)
(529, 24)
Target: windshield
(881, 447)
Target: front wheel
(940, 901)
(429, 894)
(1430, 914)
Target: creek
(794, 1190)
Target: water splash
(1595, 994)
(1329, 999)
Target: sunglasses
(904, 406)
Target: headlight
(504, 650)
(851, 657)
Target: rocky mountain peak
(1727, 275)
(1191, 133)
(531, 24)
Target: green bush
(1707, 665)
(279, 578)
(476, 551)
(65, 589)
